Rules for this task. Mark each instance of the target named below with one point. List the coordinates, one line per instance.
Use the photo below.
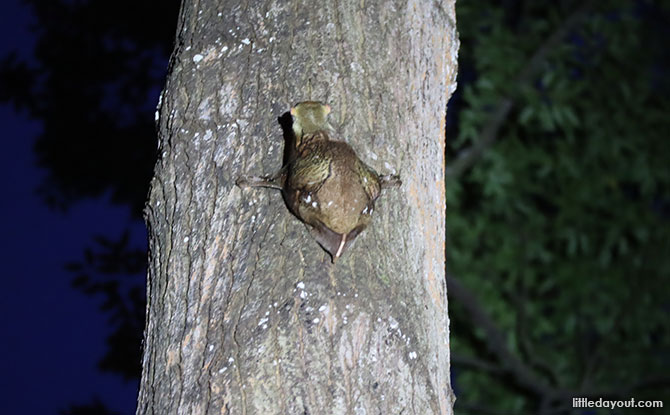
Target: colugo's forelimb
(272, 182)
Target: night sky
(53, 334)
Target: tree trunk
(246, 314)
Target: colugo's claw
(390, 180)
(255, 181)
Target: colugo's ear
(293, 111)
(327, 108)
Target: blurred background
(79, 84)
(558, 202)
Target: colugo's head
(309, 117)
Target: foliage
(111, 269)
(561, 227)
(92, 81)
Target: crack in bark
(245, 301)
(189, 263)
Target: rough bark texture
(246, 313)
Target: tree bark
(246, 314)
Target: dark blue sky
(53, 335)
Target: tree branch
(496, 340)
(523, 375)
(474, 363)
(526, 348)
